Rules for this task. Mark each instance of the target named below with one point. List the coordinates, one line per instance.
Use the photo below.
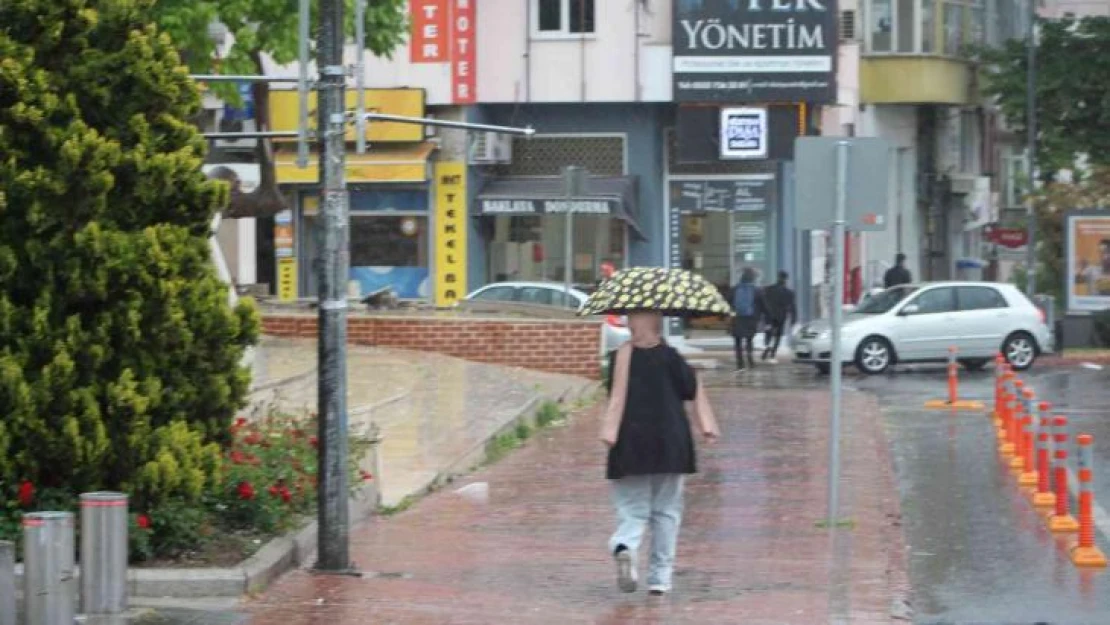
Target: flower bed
(263, 485)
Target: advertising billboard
(744, 51)
(1087, 251)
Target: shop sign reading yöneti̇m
(450, 233)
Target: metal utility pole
(332, 514)
(360, 76)
(840, 221)
(1031, 150)
(574, 185)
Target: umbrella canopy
(671, 292)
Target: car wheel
(974, 364)
(823, 368)
(874, 355)
(1020, 350)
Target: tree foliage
(1051, 202)
(119, 355)
(265, 28)
(1072, 90)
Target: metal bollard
(103, 553)
(1043, 497)
(1062, 521)
(48, 570)
(1086, 553)
(7, 583)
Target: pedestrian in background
(898, 274)
(746, 302)
(779, 312)
(651, 448)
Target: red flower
(253, 438)
(237, 457)
(240, 422)
(312, 441)
(245, 490)
(366, 476)
(26, 494)
(143, 521)
(281, 490)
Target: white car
(614, 331)
(920, 322)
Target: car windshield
(883, 302)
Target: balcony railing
(940, 27)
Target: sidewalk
(535, 552)
(432, 410)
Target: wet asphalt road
(978, 552)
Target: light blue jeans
(654, 499)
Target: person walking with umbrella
(645, 429)
(746, 301)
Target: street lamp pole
(1031, 150)
(332, 513)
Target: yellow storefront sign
(285, 113)
(450, 233)
(381, 163)
(287, 279)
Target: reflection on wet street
(978, 551)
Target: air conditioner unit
(491, 148)
(245, 125)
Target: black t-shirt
(895, 276)
(655, 434)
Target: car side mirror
(909, 309)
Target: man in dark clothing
(779, 312)
(746, 301)
(898, 274)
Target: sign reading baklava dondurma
(743, 51)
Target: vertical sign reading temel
(745, 51)
(464, 52)
(450, 225)
(428, 43)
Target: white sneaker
(626, 571)
(773, 361)
(658, 589)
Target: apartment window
(563, 17)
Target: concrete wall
(554, 345)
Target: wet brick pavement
(750, 551)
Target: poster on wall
(1088, 261)
(450, 229)
(745, 51)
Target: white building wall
(906, 232)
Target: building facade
(683, 115)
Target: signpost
(574, 181)
(850, 195)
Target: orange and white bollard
(1087, 553)
(1043, 497)
(1005, 445)
(953, 402)
(1029, 423)
(1061, 522)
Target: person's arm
(691, 389)
(618, 395)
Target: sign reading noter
(744, 51)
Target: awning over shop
(538, 195)
(381, 163)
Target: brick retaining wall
(557, 346)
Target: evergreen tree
(119, 354)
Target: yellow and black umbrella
(671, 292)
